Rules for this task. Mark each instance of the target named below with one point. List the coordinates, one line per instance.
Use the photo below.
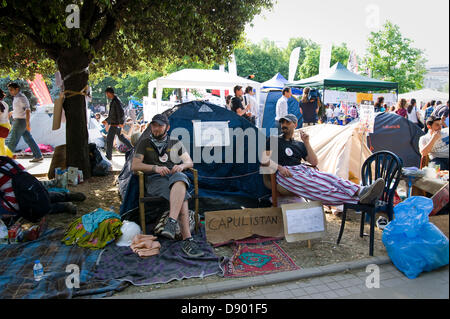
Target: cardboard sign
(303, 221)
(225, 225)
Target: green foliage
(391, 57)
(117, 36)
(263, 60)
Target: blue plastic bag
(413, 243)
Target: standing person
(435, 143)
(281, 108)
(413, 114)
(441, 110)
(5, 127)
(228, 102)
(329, 112)
(115, 120)
(379, 104)
(309, 108)
(158, 157)
(21, 124)
(238, 107)
(401, 108)
(250, 99)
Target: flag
(352, 64)
(293, 63)
(40, 90)
(325, 57)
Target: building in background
(437, 78)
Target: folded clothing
(145, 245)
(91, 220)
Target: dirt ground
(102, 192)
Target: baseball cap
(161, 119)
(290, 118)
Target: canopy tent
(194, 78)
(425, 95)
(231, 183)
(278, 82)
(338, 76)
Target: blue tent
(269, 102)
(279, 82)
(221, 185)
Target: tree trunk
(71, 62)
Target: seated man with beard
(307, 182)
(157, 156)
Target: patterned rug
(254, 259)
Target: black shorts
(160, 186)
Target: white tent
(425, 95)
(41, 122)
(192, 78)
(338, 149)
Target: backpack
(31, 198)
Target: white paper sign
(308, 220)
(211, 134)
(366, 118)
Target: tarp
(425, 95)
(268, 112)
(41, 124)
(221, 185)
(339, 76)
(338, 148)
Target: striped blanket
(16, 270)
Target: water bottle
(38, 270)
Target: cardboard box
(225, 225)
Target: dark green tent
(338, 76)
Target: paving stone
(391, 282)
(322, 288)
(330, 295)
(299, 292)
(342, 292)
(311, 290)
(354, 290)
(279, 295)
(334, 285)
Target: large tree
(113, 36)
(391, 57)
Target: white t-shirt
(329, 113)
(20, 105)
(337, 112)
(413, 115)
(440, 148)
(4, 115)
(281, 108)
(248, 99)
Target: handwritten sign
(366, 118)
(223, 226)
(303, 221)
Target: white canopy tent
(194, 79)
(425, 95)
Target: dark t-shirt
(168, 156)
(290, 153)
(309, 111)
(236, 103)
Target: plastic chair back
(386, 165)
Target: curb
(229, 285)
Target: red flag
(40, 90)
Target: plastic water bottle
(38, 270)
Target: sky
(425, 22)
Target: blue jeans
(18, 130)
